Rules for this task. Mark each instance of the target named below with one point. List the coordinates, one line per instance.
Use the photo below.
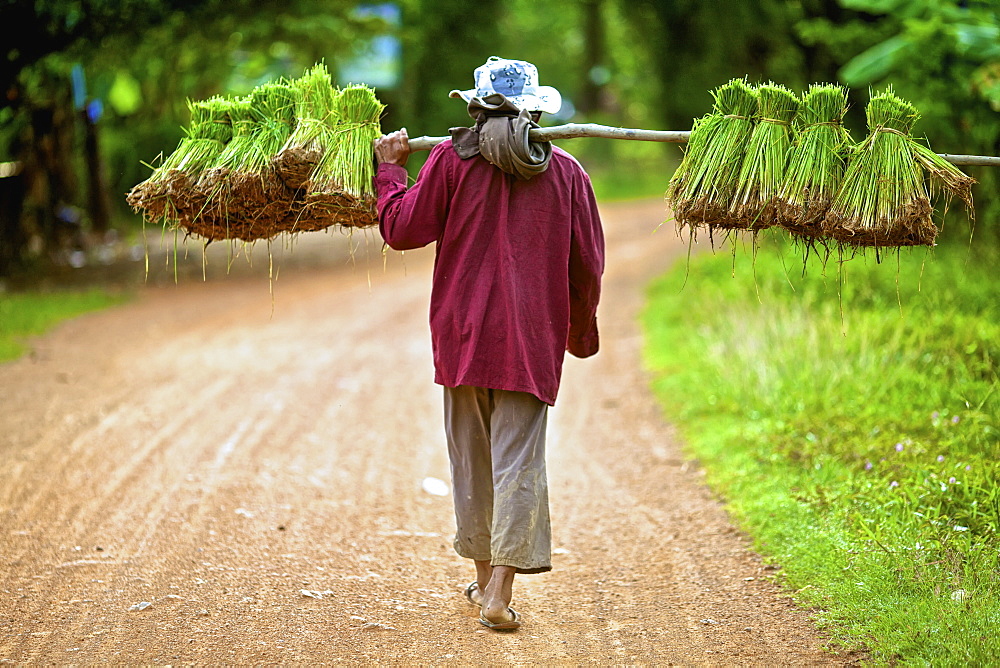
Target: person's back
(507, 251)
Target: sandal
(471, 592)
(511, 625)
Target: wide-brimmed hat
(516, 80)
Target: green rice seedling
(274, 107)
(206, 135)
(316, 113)
(885, 197)
(684, 182)
(242, 197)
(816, 162)
(763, 169)
(162, 195)
(243, 121)
(314, 133)
(261, 126)
(350, 167)
(703, 186)
(944, 176)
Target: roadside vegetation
(850, 417)
(621, 170)
(27, 314)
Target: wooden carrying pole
(574, 130)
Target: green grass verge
(853, 427)
(23, 315)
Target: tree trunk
(593, 57)
(12, 191)
(98, 205)
(49, 214)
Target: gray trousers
(496, 443)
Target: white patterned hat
(516, 80)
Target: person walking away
(516, 283)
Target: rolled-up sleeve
(412, 217)
(586, 266)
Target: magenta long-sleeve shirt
(517, 274)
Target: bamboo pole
(978, 160)
(575, 130)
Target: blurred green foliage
(639, 63)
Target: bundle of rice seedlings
(274, 105)
(205, 138)
(885, 199)
(701, 190)
(686, 178)
(360, 112)
(237, 198)
(209, 131)
(763, 169)
(243, 122)
(315, 126)
(262, 124)
(817, 160)
(349, 168)
(341, 186)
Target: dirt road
(193, 478)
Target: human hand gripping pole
(393, 148)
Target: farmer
(517, 276)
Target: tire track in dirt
(256, 478)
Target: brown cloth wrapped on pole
(501, 136)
